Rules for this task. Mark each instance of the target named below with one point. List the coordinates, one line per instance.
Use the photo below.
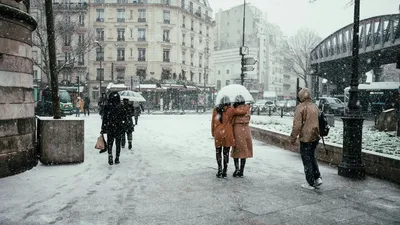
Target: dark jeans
(307, 151)
(123, 140)
(86, 110)
(110, 142)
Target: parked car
(331, 105)
(288, 104)
(263, 106)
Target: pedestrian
(306, 126)
(86, 106)
(102, 103)
(129, 127)
(138, 108)
(222, 131)
(243, 148)
(78, 107)
(113, 125)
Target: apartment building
(73, 41)
(155, 40)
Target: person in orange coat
(222, 131)
(243, 148)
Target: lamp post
(205, 72)
(351, 164)
(244, 29)
(101, 71)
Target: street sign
(133, 82)
(247, 68)
(244, 50)
(250, 61)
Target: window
(199, 11)
(142, 15)
(100, 74)
(199, 78)
(121, 34)
(99, 1)
(122, 1)
(166, 55)
(131, 14)
(121, 54)
(99, 54)
(35, 56)
(141, 54)
(131, 31)
(183, 4)
(166, 36)
(201, 28)
(67, 40)
(81, 39)
(142, 34)
(191, 76)
(183, 21)
(100, 15)
(191, 7)
(200, 60)
(81, 20)
(191, 59)
(100, 34)
(167, 2)
(192, 25)
(219, 72)
(120, 75)
(131, 52)
(35, 75)
(183, 39)
(191, 41)
(200, 40)
(227, 71)
(67, 56)
(183, 57)
(207, 31)
(167, 17)
(81, 59)
(121, 15)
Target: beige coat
(243, 140)
(305, 122)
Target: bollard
(281, 112)
(269, 111)
(258, 110)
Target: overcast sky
(324, 16)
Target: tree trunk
(52, 59)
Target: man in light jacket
(306, 126)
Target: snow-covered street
(169, 178)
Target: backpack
(323, 124)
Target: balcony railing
(166, 40)
(200, 65)
(70, 6)
(142, 20)
(183, 25)
(99, 19)
(167, 21)
(121, 20)
(201, 32)
(121, 39)
(166, 60)
(142, 39)
(99, 58)
(191, 64)
(191, 46)
(198, 14)
(100, 38)
(192, 29)
(120, 58)
(183, 62)
(142, 59)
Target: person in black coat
(129, 126)
(113, 125)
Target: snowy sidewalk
(169, 178)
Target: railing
(99, 58)
(166, 60)
(99, 19)
(71, 6)
(166, 40)
(142, 39)
(121, 39)
(142, 59)
(167, 21)
(121, 20)
(142, 20)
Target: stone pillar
(17, 119)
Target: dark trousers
(136, 119)
(123, 140)
(225, 151)
(86, 110)
(110, 142)
(307, 151)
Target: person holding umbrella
(222, 131)
(243, 148)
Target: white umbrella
(132, 96)
(233, 90)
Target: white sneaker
(318, 182)
(307, 186)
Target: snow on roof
(378, 86)
(146, 86)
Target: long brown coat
(243, 140)
(223, 132)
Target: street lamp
(101, 71)
(351, 164)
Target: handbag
(100, 144)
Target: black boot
(102, 151)
(130, 145)
(226, 161)
(237, 171)
(242, 164)
(110, 159)
(219, 173)
(117, 160)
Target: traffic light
(77, 79)
(247, 64)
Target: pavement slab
(169, 178)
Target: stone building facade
(17, 122)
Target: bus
(375, 97)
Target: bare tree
(65, 28)
(297, 53)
